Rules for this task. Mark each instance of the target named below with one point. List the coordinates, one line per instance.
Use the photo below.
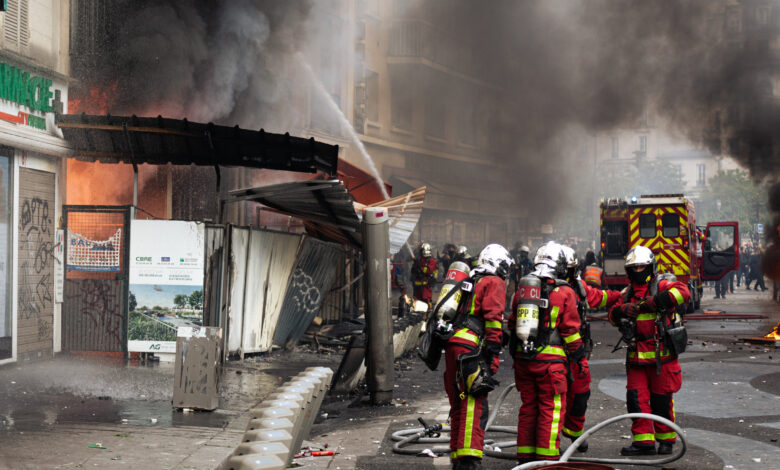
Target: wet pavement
(51, 412)
(71, 403)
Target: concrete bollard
(264, 448)
(255, 462)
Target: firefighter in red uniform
(650, 325)
(541, 364)
(471, 357)
(579, 389)
(424, 272)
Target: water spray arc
(336, 110)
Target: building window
(466, 132)
(16, 27)
(642, 145)
(762, 16)
(401, 98)
(372, 96)
(615, 149)
(733, 19)
(701, 171)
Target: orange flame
(95, 101)
(774, 333)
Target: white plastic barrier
(254, 462)
(278, 425)
(265, 448)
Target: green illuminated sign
(22, 88)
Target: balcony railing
(419, 39)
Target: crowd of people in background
(749, 273)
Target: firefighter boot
(583, 447)
(638, 449)
(467, 463)
(665, 447)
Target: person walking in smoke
(579, 387)
(646, 316)
(541, 363)
(471, 357)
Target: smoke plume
(558, 72)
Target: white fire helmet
(571, 256)
(463, 251)
(550, 261)
(425, 249)
(494, 259)
(640, 256)
(525, 249)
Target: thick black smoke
(561, 68)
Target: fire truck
(666, 223)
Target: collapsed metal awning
(328, 212)
(135, 140)
(325, 205)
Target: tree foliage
(181, 301)
(732, 195)
(196, 300)
(132, 302)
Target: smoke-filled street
(364, 234)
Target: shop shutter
(16, 27)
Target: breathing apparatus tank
(447, 305)
(529, 291)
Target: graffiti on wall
(306, 295)
(101, 304)
(36, 253)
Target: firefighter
(425, 269)
(579, 389)
(524, 265)
(592, 273)
(463, 256)
(471, 356)
(645, 315)
(541, 357)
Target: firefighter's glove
(665, 300)
(628, 310)
(490, 352)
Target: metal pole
(379, 340)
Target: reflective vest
(592, 275)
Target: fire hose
(431, 435)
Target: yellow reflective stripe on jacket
(572, 433)
(647, 354)
(644, 437)
(603, 299)
(554, 316)
(493, 324)
(570, 338)
(677, 295)
(666, 436)
(526, 450)
(646, 316)
(467, 335)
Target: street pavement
(729, 404)
(52, 414)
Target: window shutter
(16, 27)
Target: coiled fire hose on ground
(431, 435)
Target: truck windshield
(616, 234)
